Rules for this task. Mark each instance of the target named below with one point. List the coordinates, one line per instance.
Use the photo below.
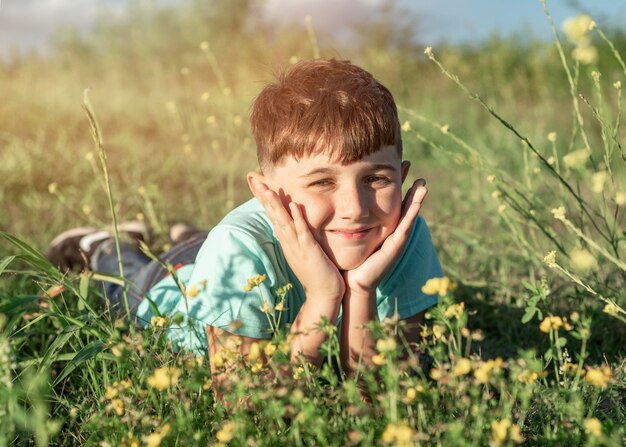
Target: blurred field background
(171, 87)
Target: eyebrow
(331, 171)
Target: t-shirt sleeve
(226, 261)
(401, 289)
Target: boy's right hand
(315, 271)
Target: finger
(403, 230)
(410, 195)
(300, 225)
(276, 212)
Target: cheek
(317, 210)
(389, 204)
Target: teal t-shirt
(243, 245)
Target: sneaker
(73, 248)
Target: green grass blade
(87, 353)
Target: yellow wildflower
(52, 188)
(436, 286)
(516, 434)
(478, 335)
(192, 292)
(406, 126)
(254, 352)
(154, 439)
(484, 372)
(218, 360)
(386, 345)
(463, 367)
(500, 431)
(577, 28)
(558, 213)
(299, 373)
(257, 366)
(571, 369)
(111, 392)
(491, 178)
(555, 323)
(550, 259)
(582, 260)
(576, 159)
(445, 129)
(208, 383)
(610, 309)
(399, 434)
(159, 321)
(593, 427)
(227, 432)
(255, 281)
(437, 331)
(118, 406)
(118, 349)
(164, 377)
(428, 51)
(437, 373)
(280, 306)
(410, 395)
(617, 85)
(585, 54)
(527, 376)
(599, 377)
(269, 349)
(455, 311)
(597, 181)
(552, 137)
(266, 308)
(378, 359)
(620, 198)
(132, 441)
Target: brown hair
(324, 106)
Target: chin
(349, 262)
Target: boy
(327, 217)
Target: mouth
(352, 233)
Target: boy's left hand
(364, 279)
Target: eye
(377, 180)
(322, 183)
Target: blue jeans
(141, 273)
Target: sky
(28, 24)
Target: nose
(352, 203)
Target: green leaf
(561, 341)
(57, 344)
(87, 353)
(16, 303)
(529, 314)
(5, 262)
(32, 256)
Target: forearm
(307, 338)
(357, 343)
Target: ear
(406, 165)
(254, 180)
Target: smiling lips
(354, 234)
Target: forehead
(387, 155)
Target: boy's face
(350, 209)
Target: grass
(533, 356)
